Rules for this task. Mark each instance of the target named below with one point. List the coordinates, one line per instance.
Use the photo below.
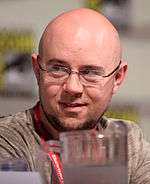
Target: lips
(73, 106)
(66, 104)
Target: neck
(47, 124)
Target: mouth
(73, 107)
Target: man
(78, 69)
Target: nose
(73, 85)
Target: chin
(73, 124)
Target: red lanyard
(56, 162)
(54, 157)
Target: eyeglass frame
(78, 72)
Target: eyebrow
(90, 67)
(93, 67)
(57, 61)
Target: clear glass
(14, 171)
(93, 157)
(13, 165)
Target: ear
(35, 66)
(120, 75)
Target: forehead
(79, 46)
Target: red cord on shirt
(54, 157)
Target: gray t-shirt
(18, 139)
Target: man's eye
(57, 68)
(90, 72)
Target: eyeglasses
(88, 75)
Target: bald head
(82, 27)
(78, 49)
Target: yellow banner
(13, 41)
(93, 4)
(16, 40)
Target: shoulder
(130, 125)
(134, 133)
(138, 153)
(135, 137)
(16, 128)
(16, 120)
(17, 136)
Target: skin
(78, 37)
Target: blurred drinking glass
(92, 157)
(13, 165)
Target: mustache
(66, 96)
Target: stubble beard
(61, 127)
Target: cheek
(100, 97)
(96, 99)
(49, 93)
(97, 95)
(52, 91)
(49, 96)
